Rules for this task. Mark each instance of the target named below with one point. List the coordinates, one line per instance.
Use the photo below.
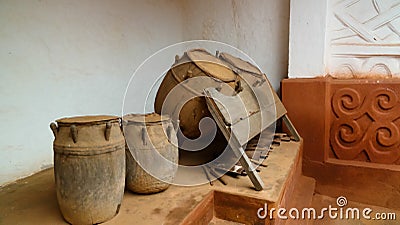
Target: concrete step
(302, 198)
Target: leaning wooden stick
(258, 163)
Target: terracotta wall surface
(346, 119)
(365, 120)
(351, 135)
(306, 104)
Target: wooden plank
(245, 115)
(203, 213)
(237, 207)
(232, 140)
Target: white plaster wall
(344, 38)
(257, 27)
(69, 57)
(363, 38)
(307, 38)
(64, 58)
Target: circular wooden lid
(87, 119)
(211, 65)
(240, 63)
(145, 118)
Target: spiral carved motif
(366, 122)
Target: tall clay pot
(89, 167)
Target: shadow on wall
(259, 28)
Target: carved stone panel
(365, 121)
(363, 38)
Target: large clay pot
(194, 63)
(151, 153)
(89, 167)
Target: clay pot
(151, 152)
(89, 167)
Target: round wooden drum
(89, 167)
(151, 152)
(194, 63)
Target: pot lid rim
(212, 65)
(87, 119)
(145, 118)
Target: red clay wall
(351, 132)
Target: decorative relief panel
(366, 123)
(363, 38)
